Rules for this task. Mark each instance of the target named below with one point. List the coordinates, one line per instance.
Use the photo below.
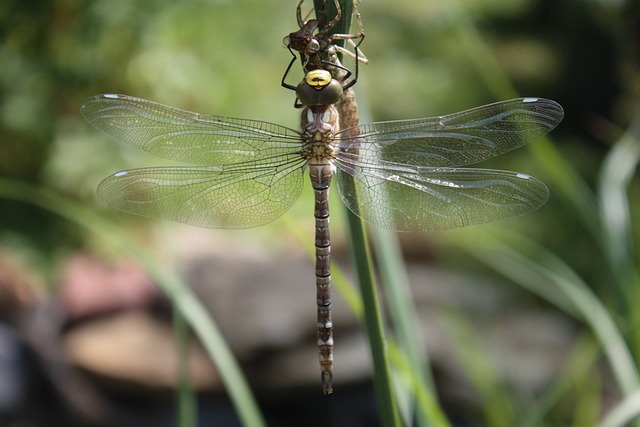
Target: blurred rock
(266, 310)
(114, 324)
(20, 289)
(135, 347)
(264, 303)
(90, 287)
(14, 374)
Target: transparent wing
(212, 197)
(189, 137)
(429, 199)
(454, 140)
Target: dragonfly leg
(299, 18)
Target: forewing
(454, 140)
(189, 137)
(438, 198)
(211, 197)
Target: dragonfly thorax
(319, 124)
(321, 119)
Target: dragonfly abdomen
(320, 175)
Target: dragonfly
(319, 47)
(404, 175)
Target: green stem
(343, 26)
(397, 290)
(389, 415)
(186, 402)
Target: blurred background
(511, 315)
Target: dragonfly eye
(331, 93)
(319, 88)
(313, 46)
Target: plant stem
(186, 402)
(385, 396)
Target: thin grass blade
(534, 268)
(385, 394)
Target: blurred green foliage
(226, 58)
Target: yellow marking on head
(318, 79)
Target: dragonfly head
(319, 88)
(303, 39)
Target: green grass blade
(588, 401)
(397, 290)
(580, 363)
(385, 396)
(428, 406)
(180, 294)
(496, 404)
(626, 411)
(618, 170)
(186, 400)
(541, 269)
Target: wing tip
(549, 105)
(97, 98)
